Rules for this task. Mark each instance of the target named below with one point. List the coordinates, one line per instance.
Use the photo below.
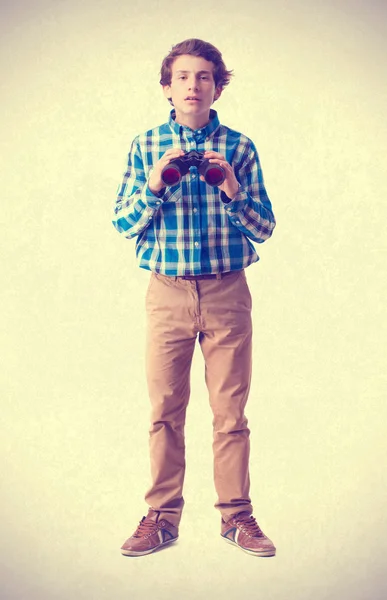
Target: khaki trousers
(218, 313)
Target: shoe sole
(252, 552)
(144, 552)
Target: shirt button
(195, 210)
(237, 222)
(158, 202)
(196, 244)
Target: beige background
(79, 81)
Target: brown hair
(196, 47)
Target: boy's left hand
(230, 185)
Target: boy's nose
(193, 85)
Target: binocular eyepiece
(173, 172)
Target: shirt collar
(206, 131)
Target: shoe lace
(248, 525)
(146, 527)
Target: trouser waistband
(206, 276)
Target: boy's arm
(250, 208)
(136, 204)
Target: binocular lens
(171, 175)
(214, 175)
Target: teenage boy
(195, 240)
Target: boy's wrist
(156, 192)
(226, 199)
(155, 183)
(154, 200)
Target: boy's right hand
(155, 183)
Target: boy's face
(192, 89)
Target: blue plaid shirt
(192, 228)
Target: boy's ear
(218, 92)
(167, 91)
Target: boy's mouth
(193, 98)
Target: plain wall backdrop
(79, 81)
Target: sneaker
(243, 531)
(151, 534)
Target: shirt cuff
(154, 200)
(235, 205)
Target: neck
(192, 121)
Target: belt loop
(219, 276)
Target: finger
(211, 154)
(218, 157)
(173, 152)
(220, 162)
(170, 155)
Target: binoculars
(172, 173)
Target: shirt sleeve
(250, 210)
(135, 205)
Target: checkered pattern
(193, 228)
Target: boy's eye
(185, 77)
